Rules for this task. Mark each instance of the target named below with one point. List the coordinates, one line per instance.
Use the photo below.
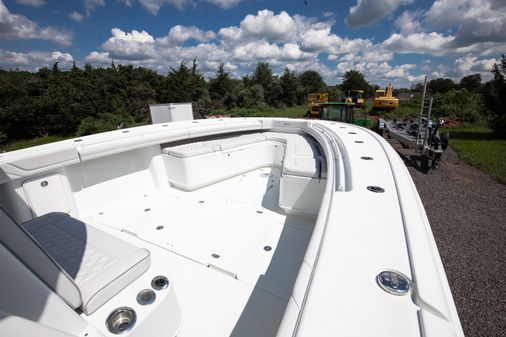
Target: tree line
(84, 101)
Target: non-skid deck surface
(234, 227)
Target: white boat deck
(228, 244)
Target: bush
(460, 103)
(3, 137)
(105, 122)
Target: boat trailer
(406, 132)
(420, 133)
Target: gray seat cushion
(26, 249)
(100, 264)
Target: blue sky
(391, 40)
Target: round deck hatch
(393, 282)
(146, 296)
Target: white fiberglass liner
(262, 227)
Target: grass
(478, 146)
(21, 144)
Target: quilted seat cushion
(100, 264)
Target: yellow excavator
(314, 101)
(384, 100)
(355, 96)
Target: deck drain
(375, 189)
(147, 209)
(352, 133)
(342, 127)
(101, 213)
(159, 227)
(201, 201)
(216, 256)
(77, 140)
(159, 282)
(267, 248)
(359, 142)
(260, 212)
(366, 158)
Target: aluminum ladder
(424, 121)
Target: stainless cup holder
(121, 320)
(159, 282)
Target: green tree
(495, 98)
(354, 80)
(311, 81)
(262, 75)
(220, 85)
(472, 83)
(289, 84)
(440, 85)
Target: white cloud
(34, 60)
(470, 65)
(368, 12)
(16, 26)
(33, 3)
(78, 17)
(476, 21)
(408, 22)
(321, 39)
(130, 46)
(179, 34)
(267, 25)
(420, 43)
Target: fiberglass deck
(233, 228)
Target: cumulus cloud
(420, 43)
(477, 21)
(408, 22)
(471, 64)
(102, 59)
(265, 25)
(321, 39)
(368, 12)
(179, 34)
(130, 46)
(16, 26)
(34, 60)
(33, 3)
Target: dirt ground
(467, 212)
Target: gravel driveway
(467, 212)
